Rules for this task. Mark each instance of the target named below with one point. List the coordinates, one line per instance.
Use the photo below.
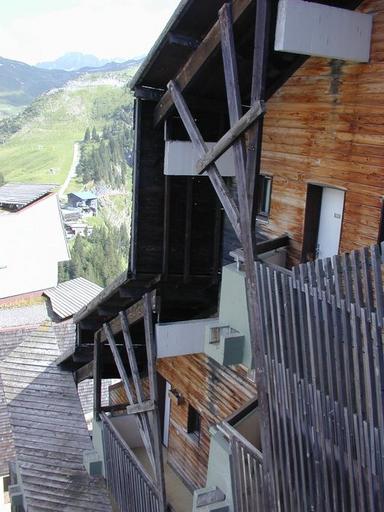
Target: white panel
(309, 28)
(32, 244)
(167, 413)
(331, 218)
(181, 338)
(180, 159)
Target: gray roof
(9, 339)
(49, 430)
(69, 297)
(19, 195)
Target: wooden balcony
(129, 473)
(246, 471)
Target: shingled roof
(9, 339)
(15, 196)
(69, 297)
(48, 426)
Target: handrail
(241, 413)
(231, 432)
(140, 468)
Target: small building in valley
(32, 238)
(83, 199)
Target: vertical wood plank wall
(326, 126)
(215, 392)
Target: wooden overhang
(179, 231)
(189, 49)
(120, 295)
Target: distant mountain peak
(73, 61)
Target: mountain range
(21, 83)
(74, 61)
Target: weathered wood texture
(48, 428)
(117, 395)
(127, 480)
(325, 372)
(325, 126)
(246, 472)
(215, 392)
(152, 237)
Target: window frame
(193, 423)
(265, 183)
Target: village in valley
(192, 315)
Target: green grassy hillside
(41, 150)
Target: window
(264, 194)
(380, 235)
(194, 422)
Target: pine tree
(87, 135)
(95, 135)
(2, 179)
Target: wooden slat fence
(325, 379)
(127, 480)
(246, 472)
(355, 277)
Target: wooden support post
(188, 230)
(216, 179)
(142, 424)
(260, 58)
(231, 136)
(253, 299)
(167, 199)
(150, 344)
(195, 63)
(97, 347)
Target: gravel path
(30, 315)
(72, 170)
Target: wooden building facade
(236, 391)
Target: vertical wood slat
(142, 425)
(150, 345)
(340, 416)
(216, 179)
(166, 220)
(246, 233)
(97, 348)
(188, 231)
(126, 479)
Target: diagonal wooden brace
(217, 181)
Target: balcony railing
(127, 480)
(246, 471)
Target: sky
(34, 31)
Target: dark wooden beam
(231, 136)
(216, 264)
(212, 171)
(141, 408)
(258, 93)
(188, 230)
(253, 298)
(85, 372)
(166, 221)
(143, 425)
(182, 40)
(154, 396)
(148, 93)
(200, 56)
(97, 348)
(273, 244)
(380, 234)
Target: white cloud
(106, 28)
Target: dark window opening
(194, 422)
(380, 236)
(264, 196)
(311, 222)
